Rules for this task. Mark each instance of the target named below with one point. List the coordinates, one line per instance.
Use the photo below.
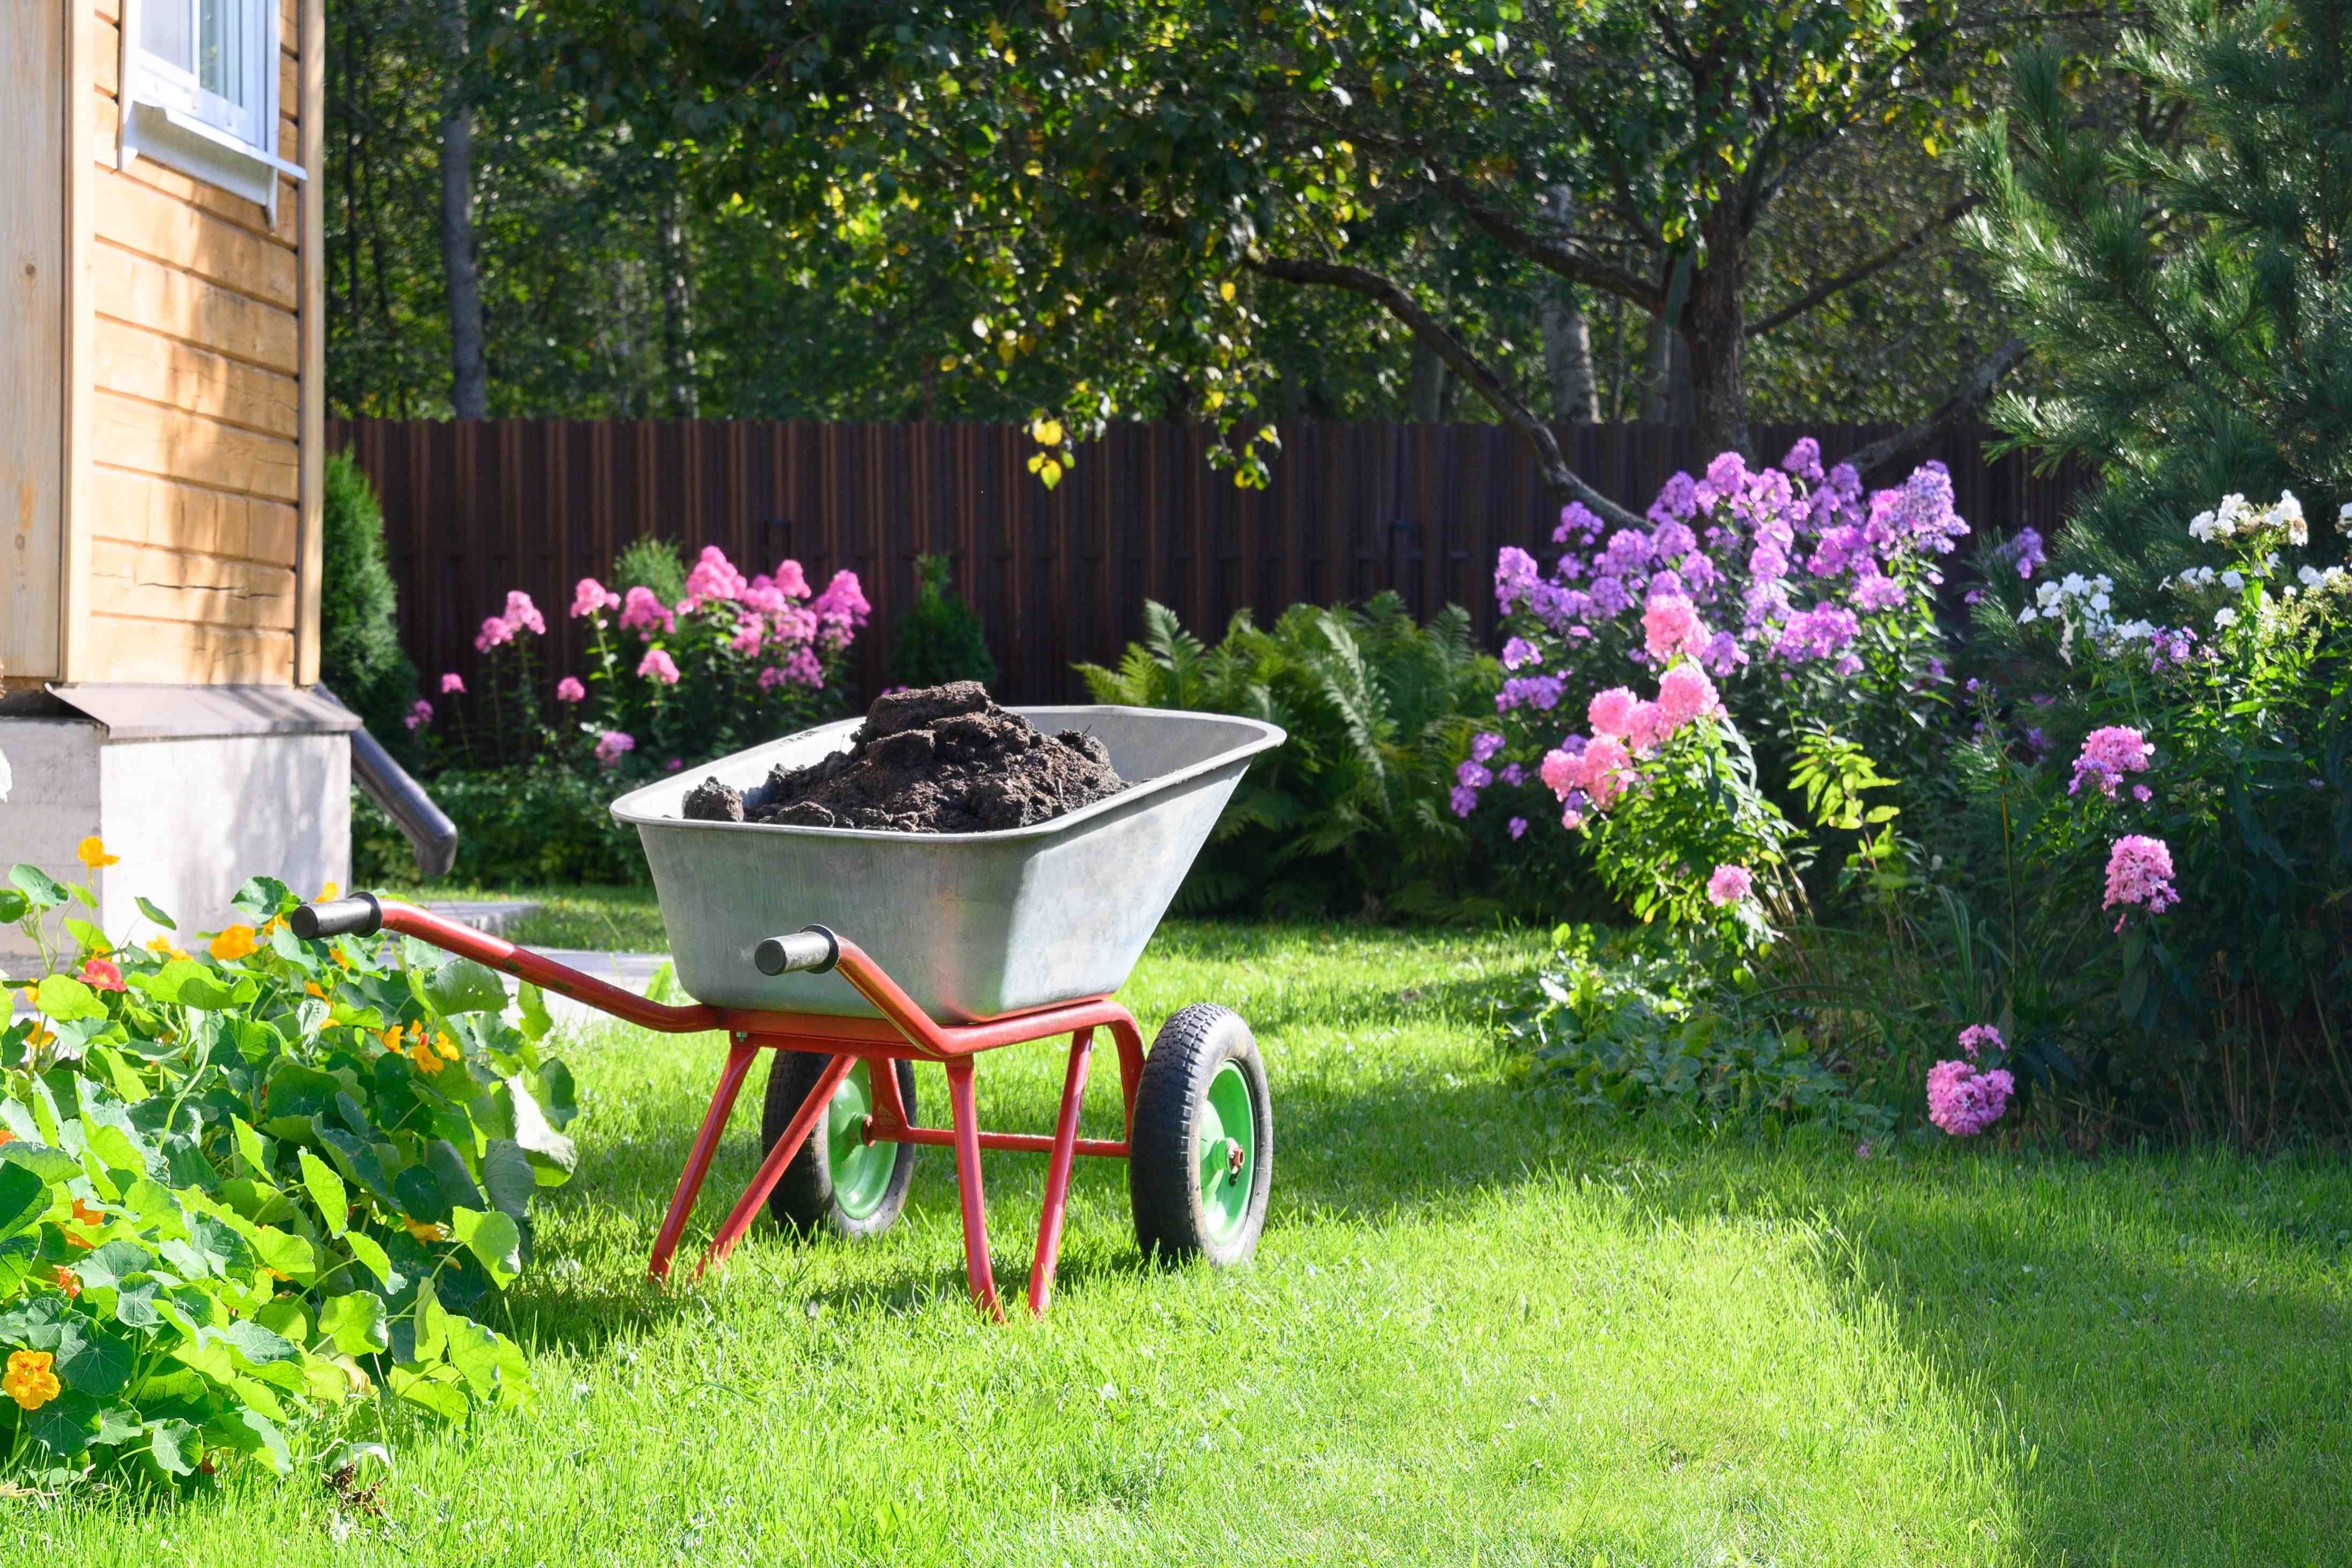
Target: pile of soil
(944, 760)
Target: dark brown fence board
(472, 510)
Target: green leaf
(168, 1444)
(24, 1198)
(50, 1164)
(153, 914)
(436, 1390)
(41, 891)
(64, 1425)
(462, 986)
(294, 1089)
(114, 1262)
(187, 983)
(448, 1169)
(290, 1254)
(371, 1254)
(116, 1423)
(507, 1174)
(263, 897)
(551, 1154)
(556, 1093)
(495, 1239)
(65, 998)
(257, 1346)
(251, 1432)
(249, 1147)
(134, 1305)
(536, 1021)
(357, 1323)
(13, 906)
(432, 1324)
(93, 1362)
(326, 1189)
(18, 1254)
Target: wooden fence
(474, 509)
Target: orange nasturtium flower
(93, 853)
(235, 943)
(88, 1214)
(311, 988)
(31, 1381)
(427, 1061)
(67, 1281)
(425, 1231)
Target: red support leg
(1129, 1041)
(771, 1169)
(1058, 1173)
(981, 1278)
(697, 1159)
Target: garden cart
(851, 955)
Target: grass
(1479, 1330)
(610, 919)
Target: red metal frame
(903, 1033)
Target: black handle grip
(358, 916)
(812, 948)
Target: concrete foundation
(194, 789)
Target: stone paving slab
(495, 915)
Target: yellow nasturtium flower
(332, 890)
(235, 943)
(31, 1380)
(425, 1231)
(93, 853)
(163, 948)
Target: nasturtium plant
(243, 1187)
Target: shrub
(519, 826)
(656, 565)
(940, 638)
(243, 1189)
(1350, 815)
(1632, 1028)
(359, 656)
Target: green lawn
(612, 919)
(1479, 1330)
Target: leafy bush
(656, 565)
(1350, 815)
(940, 637)
(359, 656)
(518, 826)
(242, 1190)
(1632, 1029)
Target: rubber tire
(1162, 1168)
(802, 1200)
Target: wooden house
(162, 404)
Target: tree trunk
(1568, 362)
(468, 380)
(1658, 359)
(1714, 329)
(677, 311)
(1424, 392)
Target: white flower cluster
(2316, 577)
(2237, 515)
(2344, 519)
(2072, 598)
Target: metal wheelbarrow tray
(840, 949)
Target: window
(200, 91)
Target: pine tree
(2187, 279)
(360, 656)
(940, 637)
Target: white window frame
(167, 115)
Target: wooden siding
(205, 381)
(34, 262)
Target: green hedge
(514, 826)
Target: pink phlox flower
(1979, 1037)
(2107, 756)
(641, 611)
(1607, 769)
(1612, 712)
(840, 609)
(590, 597)
(614, 745)
(452, 684)
(1646, 728)
(789, 579)
(2139, 876)
(569, 690)
(1964, 1101)
(1670, 626)
(1874, 591)
(495, 630)
(1730, 884)
(714, 577)
(803, 668)
(771, 678)
(1686, 693)
(749, 631)
(522, 615)
(658, 665)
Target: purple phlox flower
(1820, 633)
(420, 712)
(1672, 540)
(1678, 500)
(1515, 575)
(1608, 596)
(1518, 652)
(1722, 655)
(1850, 664)
(1875, 591)
(1839, 549)
(1973, 597)
(2024, 549)
(1726, 478)
(1629, 551)
(1539, 692)
(1472, 775)
(1576, 517)
(614, 745)
(1464, 800)
(1483, 744)
(1804, 460)
(1511, 774)
(1519, 826)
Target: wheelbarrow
(851, 955)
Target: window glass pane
(163, 31)
(220, 47)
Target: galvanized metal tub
(973, 926)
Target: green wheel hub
(1228, 1152)
(861, 1170)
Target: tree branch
(1432, 335)
(1551, 254)
(1876, 264)
(1974, 390)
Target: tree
(2184, 275)
(359, 656)
(1121, 180)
